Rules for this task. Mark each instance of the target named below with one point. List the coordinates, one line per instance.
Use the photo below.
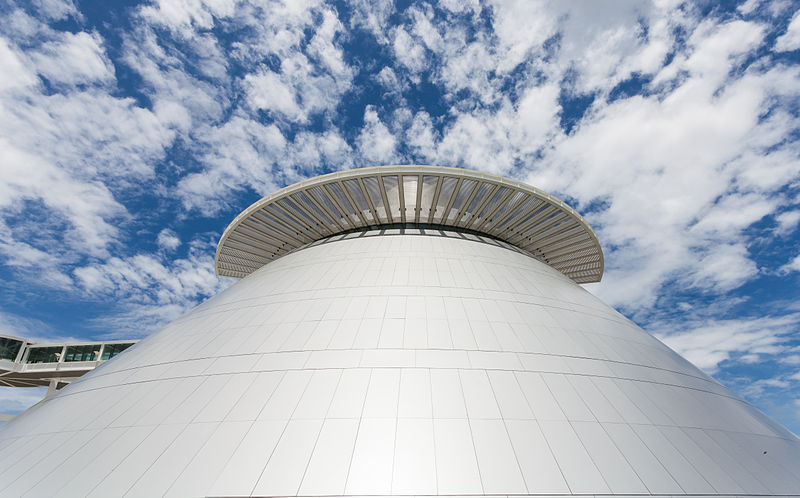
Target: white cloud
(44, 265)
(24, 327)
(376, 144)
(170, 84)
(490, 140)
(291, 66)
(424, 28)
(311, 77)
(460, 6)
(310, 153)
(790, 40)
(760, 388)
(151, 289)
(168, 240)
(521, 27)
(266, 91)
(661, 163)
(787, 222)
(537, 117)
(33, 329)
(73, 59)
(479, 140)
(748, 6)
(187, 14)
(63, 154)
(372, 15)
(468, 68)
(244, 154)
(15, 73)
(721, 268)
(605, 46)
(421, 136)
(239, 154)
(733, 213)
(716, 47)
(596, 46)
(707, 343)
(389, 80)
(792, 359)
(791, 266)
(408, 51)
(56, 9)
(15, 400)
(86, 206)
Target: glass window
(426, 200)
(88, 352)
(339, 196)
(112, 350)
(461, 197)
(374, 192)
(9, 348)
(392, 196)
(44, 355)
(448, 186)
(358, 197)
(410, 196)
(319, 195)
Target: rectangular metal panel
(284, 471)
(371, 467)
(328, 468)
(539, 467)
(456, 465)
(414, 466)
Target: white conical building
(400, 331)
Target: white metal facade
(398, 364)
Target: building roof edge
(319, 207)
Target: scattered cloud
(153, 288)
(710, 343)
(14, 400)
(787, 222)
(790, 40)
(791, 266)
(168, 240)
(376, 144)
(72, 59)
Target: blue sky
(131, 134)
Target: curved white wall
(398, 364)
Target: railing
(62, 365)
(26, 370)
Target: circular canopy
(411, 196)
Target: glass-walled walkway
(26, 364)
